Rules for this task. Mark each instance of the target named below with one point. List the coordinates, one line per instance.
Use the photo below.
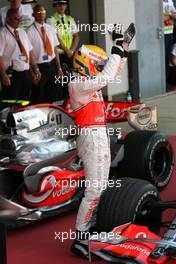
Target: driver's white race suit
(93, 140)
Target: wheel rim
(160, 165)
(148, 217)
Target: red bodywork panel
(115, 111)
(138, 250)
(63, 189)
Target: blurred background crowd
(36, 48)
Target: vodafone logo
(99, 119)
(113, 111)
(91, 54)
(141, 235)
(62, 192)
(96, 56)
(50, 179)
(133, 247)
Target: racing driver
(94, 71)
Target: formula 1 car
(135, 240)
(41, 173)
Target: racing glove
(117, 38)
(128, 36)
(129, 33)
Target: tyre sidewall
(154, 146)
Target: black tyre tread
(131, 155)
(121, 198)
(112, 194)
(137, 146)
(126, 215)
(9, 182)
(117, 205)
(123, 213)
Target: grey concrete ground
(166, 113)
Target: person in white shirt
(44, 42)
(25, 11)
(16, 57)
(31, 2)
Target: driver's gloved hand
(117, 39)
(122, 40)
(117, 35)
(129, 33)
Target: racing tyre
(148, 155)
(9, 182)
(128, 203)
